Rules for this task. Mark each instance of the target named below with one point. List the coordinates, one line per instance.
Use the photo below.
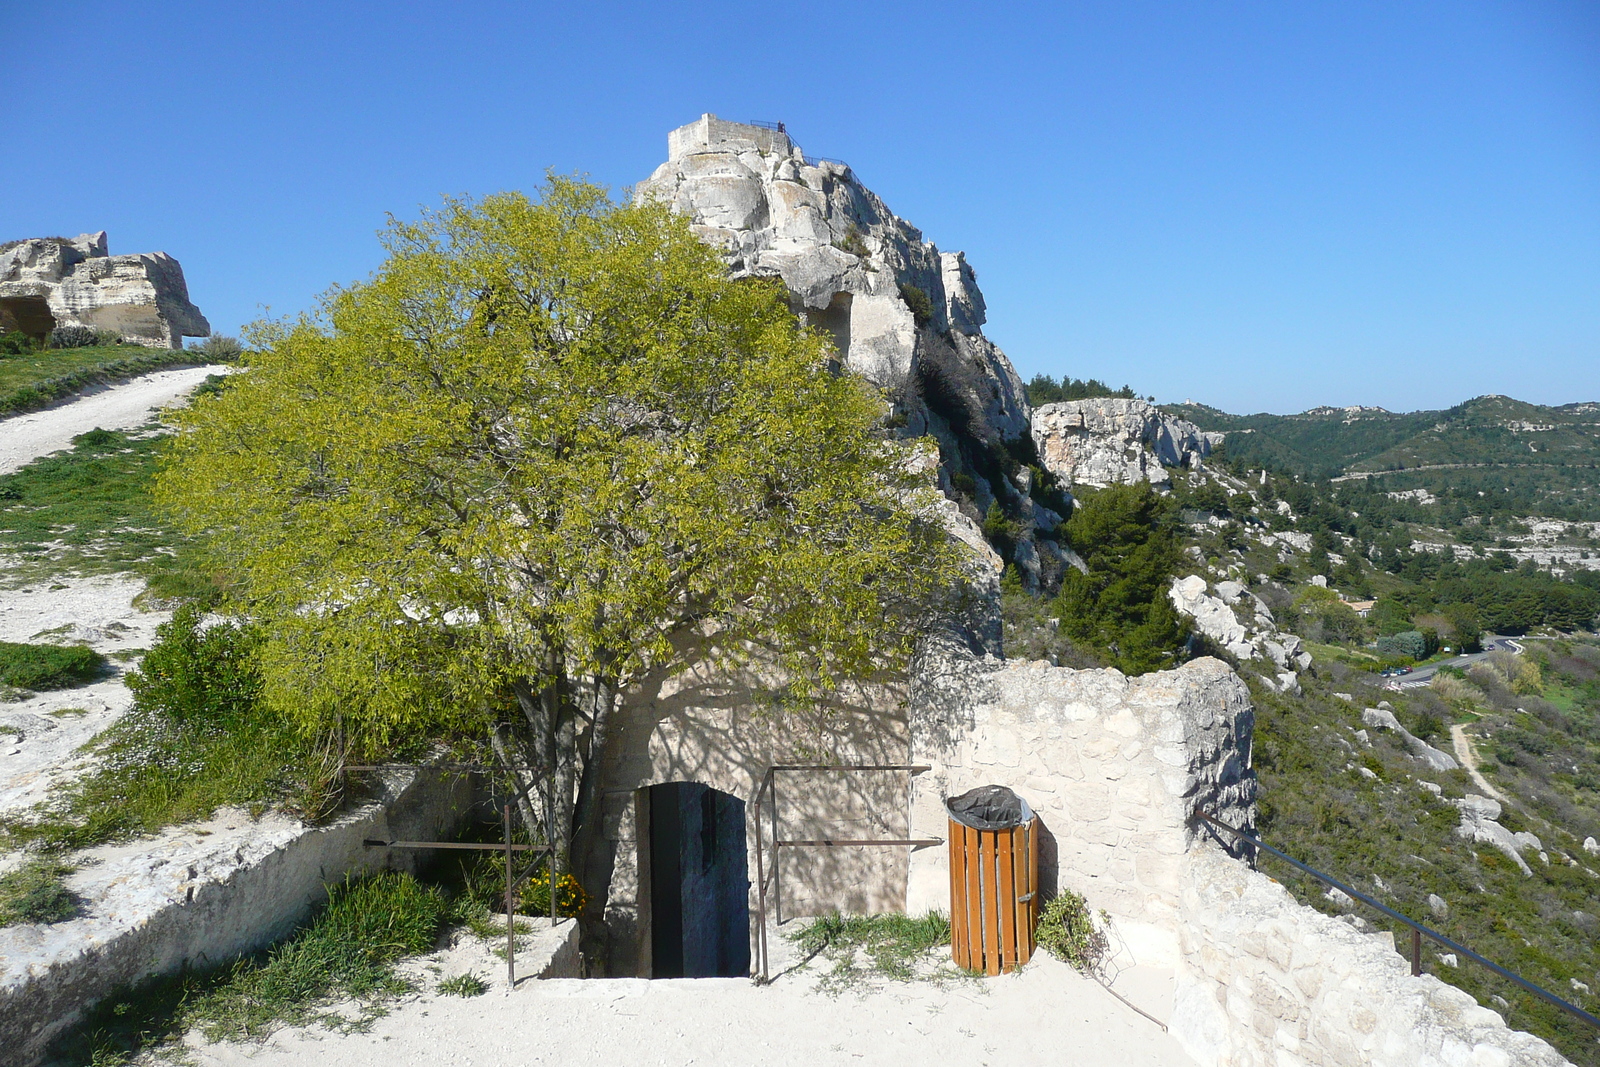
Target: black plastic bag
(988, 807)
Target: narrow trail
(24, 438)
(1469, 760)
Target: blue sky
(1263, 206)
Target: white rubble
(1115, 440)
(1216, 618)
(47, 282)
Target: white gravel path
(24, 438)
(1046, 1014)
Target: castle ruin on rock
(46, 282)
(902, 313)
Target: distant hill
(1546, 456)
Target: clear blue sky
(1262, 206)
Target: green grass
(464, 985)
(89, 511)
(864, 948)
(32, 381)
(347, 953)
(40, 667)
(35, 893)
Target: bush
(220, 348)
(72, 337)
(48, 666)
(1068, 932)
(1410, 643)
(17, 343)
(917, 300)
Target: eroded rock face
(845, 259)
(1238, 621)
(47, 282)
(1112, 440)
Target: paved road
(1421, 676)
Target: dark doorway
(699, 883)
(29, 314)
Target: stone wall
(1114, 767)
(197, 896)
(1264, 980)
(725, 731)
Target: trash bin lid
(988, 807)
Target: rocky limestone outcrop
(1221, 618)
(1382, 718)
(1479, 825)
(46, 282)
(1113, 440)
(901, 313)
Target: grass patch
(464, 985)
(347, 953)
(34, 380)
(89, 511)
(35, 893)
(867, 948)
(40, 667)
(196, 739)
(68, 713)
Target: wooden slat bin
(994, 900)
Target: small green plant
(71, 337)
(866, 947)
(917, 300)
(35, 893)
(464, 985)
(39, 667)
(852, 242)
(17, 343)
(1068, 932)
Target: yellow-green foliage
(549, 440)
(1457, 690)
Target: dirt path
(1469, 760)
(24, 438)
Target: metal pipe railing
(1417, 929)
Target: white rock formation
(844, 257)
(1478, 815)
(1111, 440)
(1216, 618)
(47, 282)
(1383, 719)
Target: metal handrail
(1417, 929)
(769, 784)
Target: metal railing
(514, 881)
(769, 787)
(1418, 931)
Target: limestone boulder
(46, 282)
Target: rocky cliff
(1114, 440)
(901, 312)
(47, 282)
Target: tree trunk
(591, 858)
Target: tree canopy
(548, 451)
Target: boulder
(1113, 440)
(1435, 760)
(1478, 815)
(48, 282)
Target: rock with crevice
(1217, 616)
(1479, 825)
(50, 282)
(1382, 718)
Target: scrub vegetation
(864, 949)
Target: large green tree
(549, 452)
(1125, 536)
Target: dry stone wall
(1114, 767)
(1264, 980)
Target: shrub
(48, 666)
(17, 343)
(107, 338)
(220, 348)
(71, 337)
(917, 300)
(1068, 931)
(1408, 643)
(33, 893)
